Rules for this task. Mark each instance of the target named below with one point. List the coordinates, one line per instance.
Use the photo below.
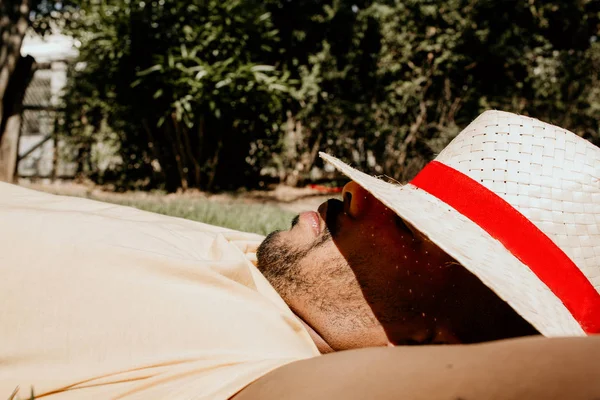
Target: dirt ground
(291, 199)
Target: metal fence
(41, 153)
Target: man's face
(359, 276)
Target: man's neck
(321, 344)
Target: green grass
(261, 219)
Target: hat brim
(473, 248)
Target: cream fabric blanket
(100, 301)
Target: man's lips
(330, 212)
(322, 210)
(311, 219)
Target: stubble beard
(279, 263)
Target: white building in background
(54, 47)
(52, 53)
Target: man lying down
(498, 238)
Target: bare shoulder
(526, 368)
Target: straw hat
(517, 202)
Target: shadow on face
(359, 276)
(417, 292)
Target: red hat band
(519, 236)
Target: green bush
(223, 94)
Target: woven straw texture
(547, 173)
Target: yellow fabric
(108, 302)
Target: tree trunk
(15, 74)
(9, 148)
(10, 126)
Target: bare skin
(359, 276)
(526, 368)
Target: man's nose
(356, 199)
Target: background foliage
(222, 94)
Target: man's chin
(264, 253)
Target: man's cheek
(321, 260)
